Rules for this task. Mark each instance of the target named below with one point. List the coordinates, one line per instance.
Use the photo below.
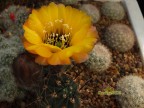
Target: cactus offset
(132, 89)
(95, 14)
(119, 37)
(113, 10)
(100, 58)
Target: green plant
(92, 11)
(8, 88)
(132, 92)
(113, 10)
(14, 30)
(14, 15)
(7, 56)
(119, 37)
(59, 92)
(100, 58)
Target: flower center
(57, 33)
(60, 40)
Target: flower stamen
(60, 40)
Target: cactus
(59, 92)
(2, 38)
(14, 30)
(7, 56)
(113, 10)
(14, 15)
(92, 11)
(67, 2)
(27, 73)
(8, 88)
(22, 14)
(100, 58)
(119, 37)
(132, 92)
(6, 16)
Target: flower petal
(30, 47)
(34, 23)
(80, 57)
(41, 60)
(31, 36)
(56, 59)
(43, 51)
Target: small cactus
(113, 10)
(100, 58)
(14, 15)
(92, 11)
(8, 88)
(119, 37)
(132, 92)
(59, 92)
(7, 16)
(7, 56)
(14, 30)
(2, 38)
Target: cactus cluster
(59, 92)
(119, 37)
(9, 49)
(132, 92)
(92, 11)
(14, 15)
(8, 88)
(113, 10)
(100, 58)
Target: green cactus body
(92, 11)
(9, 49)
(8, 89)
(59, 92)
(119, 37)
(14, 15)
(7, 56)
(100, 58)
(113, 10)
(132, 92)
(2, 38)
(5, 16)
(14, 30)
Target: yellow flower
(57, 34)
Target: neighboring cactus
(2, 38)
(22, 14)
(7, 16)
(92, 11)
(132, 92)
(7, 56)
(59, 92)
(14, 15)
(119, 37)
(67, 2)
(8, 88)
(14, 30)
(100, 58)
(113, 10)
